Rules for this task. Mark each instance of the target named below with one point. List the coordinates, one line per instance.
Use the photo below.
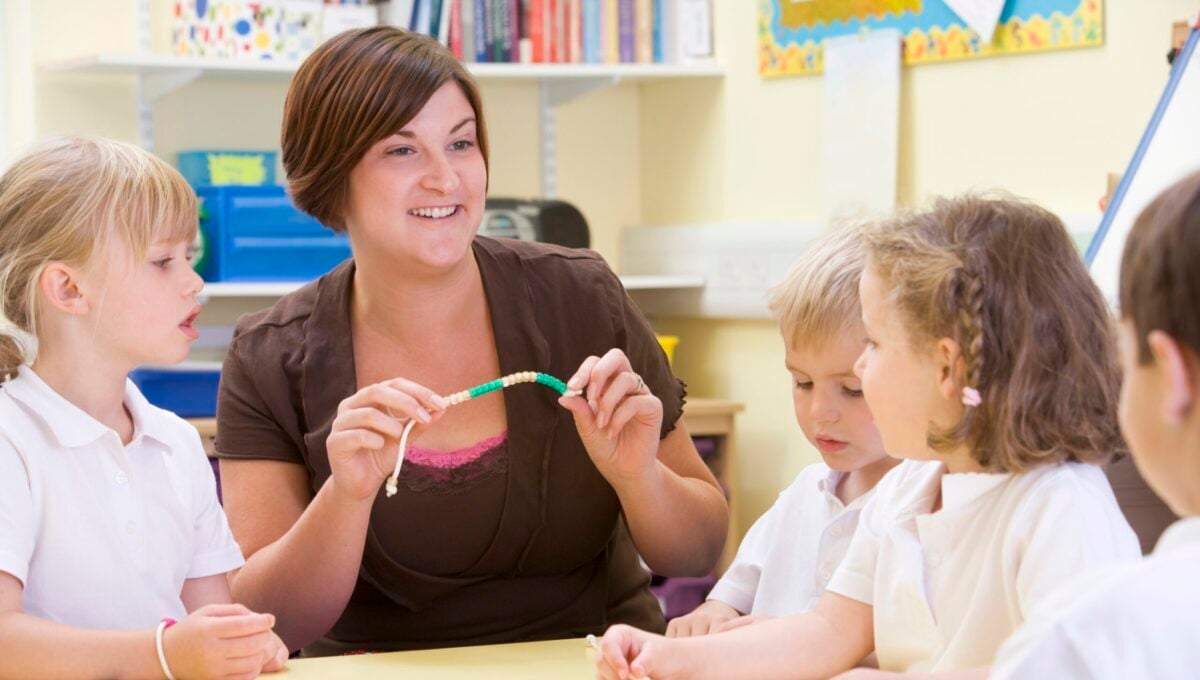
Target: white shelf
(165, 64)
(274, 289)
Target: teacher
(520, 516)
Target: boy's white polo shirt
(1131, 622)
(791, 552)
(104, 535)
(948, 587)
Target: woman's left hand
(618, 418)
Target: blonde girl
(110, 528)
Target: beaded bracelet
(478, 391)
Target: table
(550, 660)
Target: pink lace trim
(446, 460)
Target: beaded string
(478, 391)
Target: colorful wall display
(791, 32)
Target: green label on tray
(225, 168)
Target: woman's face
(416, 198)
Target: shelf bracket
(151, 88)
(551, 94)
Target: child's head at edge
(1160, 344)
(989, 344)
(69, 200)
(816, 306)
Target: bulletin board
(791, 32)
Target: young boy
(1143, 620)
(791, 552)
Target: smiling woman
(517, 514)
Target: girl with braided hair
(990, 367)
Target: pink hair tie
(971, 397)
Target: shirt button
(130, 527)
(122, 478)
(836, 530)
(825, 573)
(935, 560)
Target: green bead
(552, 382)
(480, 390)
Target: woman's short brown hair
(356, 89)
(1160, 268)
(1002, 277)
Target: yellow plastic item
(668, 343)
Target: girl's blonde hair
(818, 297)
(66, 199)
(1002, 278)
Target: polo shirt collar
(71, 426)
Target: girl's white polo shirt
(791, 552)
(1129, 622)
(948, 587)
(103, 535)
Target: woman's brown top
(551, 556)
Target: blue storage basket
(248, 168)
(188, 391)
(257, 234)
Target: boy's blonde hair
(1002, 277)
(65, 200)
(819, 295)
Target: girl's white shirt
(102, 534)
(948, 587)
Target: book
(625, 31)
(443, 27)
(467, 29)
(483, 31)
(592, 46)
(643, 38)
(454, 31)
(574, 31)
(537, 30)
(610, 35)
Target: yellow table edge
(547, 660)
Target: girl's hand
(275, 655)
(627, 653)
(618, 419)
(222, 641)
(364, 441)
(705, 619)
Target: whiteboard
(1169, 150)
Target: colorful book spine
(659, 34)
(537, 30)
(575, 31)
(561, 35)
(466, 29)
(552, 30)
(643, 36)
(609, 32)
(592, 52)
(514, 32)
(455, 29)
(483, 30)
(626, 30)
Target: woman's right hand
(365, 438)
(705, 619)
(222, 641)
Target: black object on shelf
(548, 221)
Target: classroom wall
(1045, 126)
